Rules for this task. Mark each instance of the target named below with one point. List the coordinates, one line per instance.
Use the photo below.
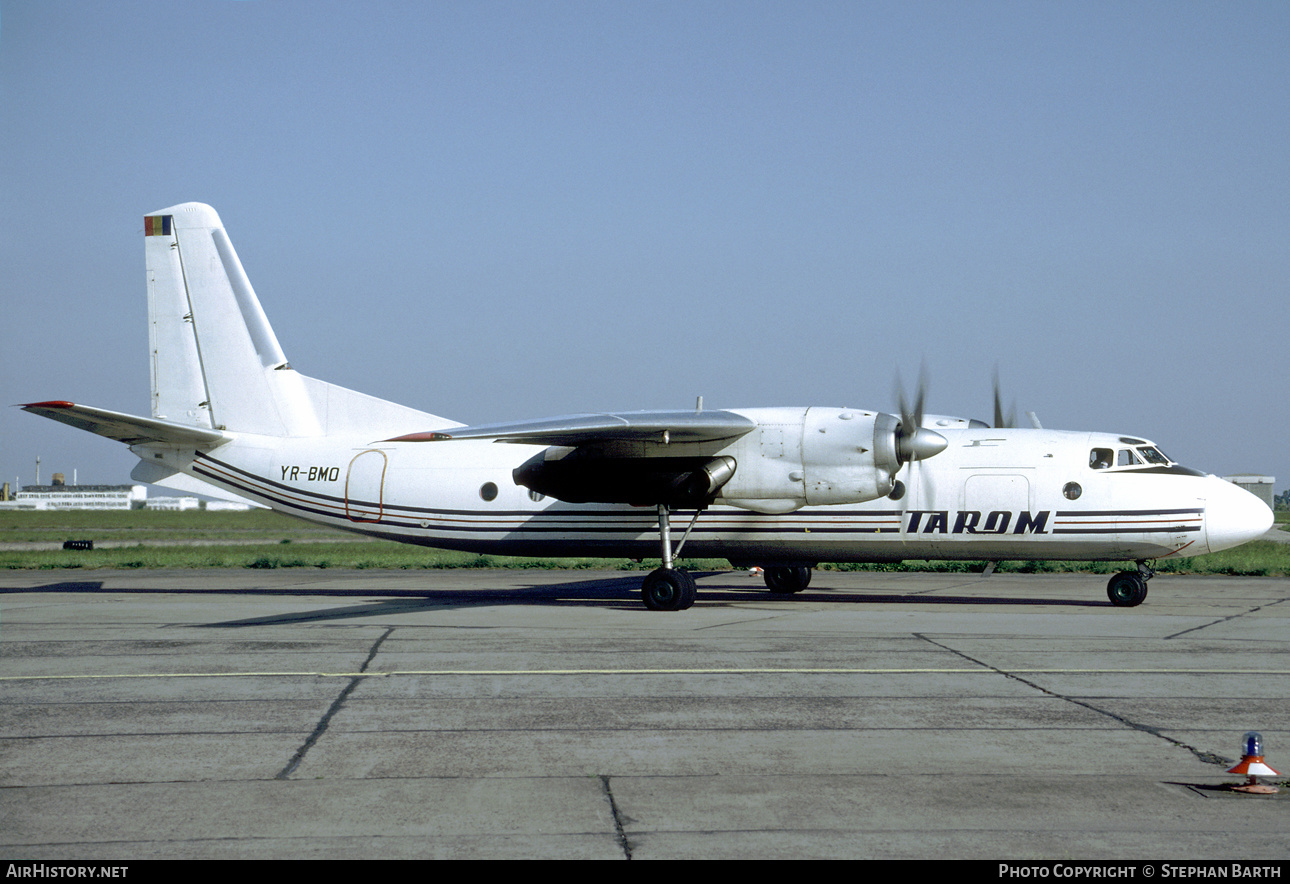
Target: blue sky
(493, 211)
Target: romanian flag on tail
(157, 225)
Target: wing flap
(584, 429)
(127, 428)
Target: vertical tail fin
(216, 362)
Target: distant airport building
(172, 503)
(193, 503)
(81, 497)
(59, 496)
(229, 505)
(1259, 486)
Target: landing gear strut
(1128, 588)
(666, 588)
(787, 579)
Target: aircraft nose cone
(1233, 516)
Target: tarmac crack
(321, 727)
(619, 833)
(1253, 610)
(1200, 754)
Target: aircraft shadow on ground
(716, 588)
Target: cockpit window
(1100, 458)
(1154, 455)
(1144, 455)
(1126, 458)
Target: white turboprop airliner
(782, 488)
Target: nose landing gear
(1128, 588)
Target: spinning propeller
(913, 440)
(999, 420)
(1009, 422)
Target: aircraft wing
(576, 430)
(127, 428)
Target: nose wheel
(1128, 589)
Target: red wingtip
(53, 403)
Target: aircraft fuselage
(993, 494)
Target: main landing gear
(667, 588)
(787, 579)
(1128, 588)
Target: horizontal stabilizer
(586, 429)
(127, 428)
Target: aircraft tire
(787, 579)
(667, 589)
(1126, 589)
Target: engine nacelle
(795, 457)
(848, 456)
(820, 456)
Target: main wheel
(1126, 589)
(787, 579)
(667, 589)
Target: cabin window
(1100, 458)
(1072, 491)
(488, 491)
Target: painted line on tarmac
(753, 670)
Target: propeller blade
(913, 440)
(912, 417)
(999, 420)
(901, 405)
